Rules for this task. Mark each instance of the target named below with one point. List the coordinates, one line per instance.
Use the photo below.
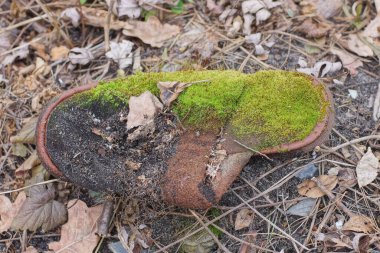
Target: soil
(118, 165)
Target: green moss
(212, 102)
(271, 106)
(278, 107)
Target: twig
(22, 23)
(270, 222)
(105, 218)
(332, 197)
(254, 151)
(221, 246)
(107, 27)
(365, 138)
(26, 187)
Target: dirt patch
(117, 165)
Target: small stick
(26, 187)
(254, 151)
(332, 197)
(270, 222)
(221, 246)
(105, 218)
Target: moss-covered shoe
(198, 146)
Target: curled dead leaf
(313, 29)
(359, 223)
(244, 218)
(27, 132)
(367, 168)
(310, 189)
(349, 62)
(361, 243)
(151, 32)
(169, 91)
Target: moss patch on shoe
(274, 107)
(278, 107)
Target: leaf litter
(204, 45)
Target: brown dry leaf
(151, 32)
(357, 46)
(328, 8)
(40, 50)
(333, 239)
(169, 91)
(361, 243)
(95, 17)
(27, 165)
(78, 234)
(346, 178)
(244, 218)
(349, 62)
(367, 168)
(30, 249)
(310, 189)
(8, 210)
(40, 210)
(214, 7)
(359, 223)
(27, 132)
(19, 149)
(59, 53)
(142, 109)
(313, 29)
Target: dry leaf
(121, 53)
(248, 20)
(359, 223)
(361, 243)
(321, 68)
(253, 38)
(80, 56)
(334, 239)
(253, 6)
(21, 53)
(40, 210)
(71, 14)
(310, 189)
(151, 32)
(357, 46)
(236, 26)
(59, 53)
(367, 168)
(312, 29)
(78, 234)
(42, 68)
(142, 111)
(328, 8)
(128, 8)
(8, 210)
(349, 62)
(30, 249)
(27, 165)
(213, 7)
(244, 218)
(169, 91)
(19, 149)
(346, 178)
(302, 208)
(262, 15)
